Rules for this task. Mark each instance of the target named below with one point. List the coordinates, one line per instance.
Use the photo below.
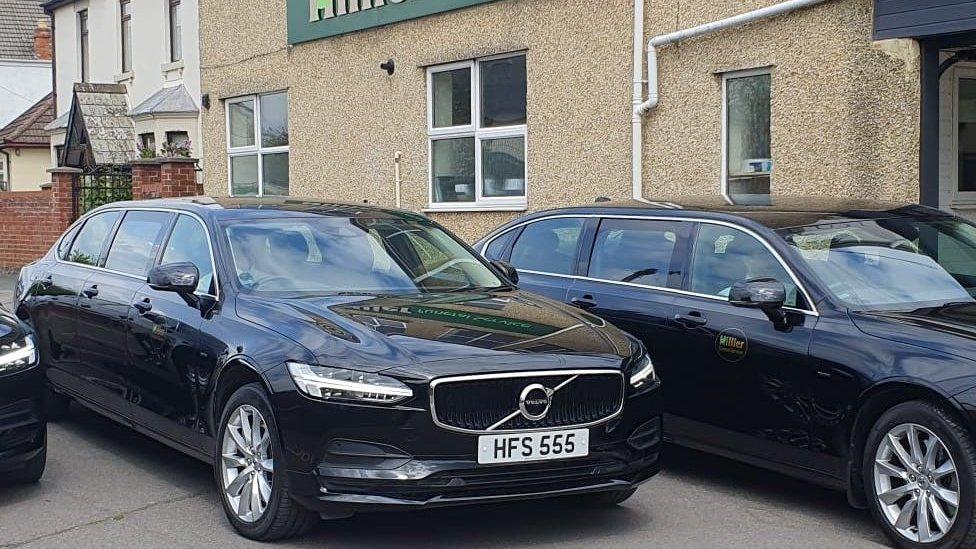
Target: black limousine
(330, 359)
(834, 340)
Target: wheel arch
(873, 403)
(236, 372)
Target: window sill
(469, 207)
(170, 67)
(125, 77)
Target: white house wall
(24, 84)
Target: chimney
(42, 40)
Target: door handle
(694, 319)
(91, 291)
(47, 282)
(143, 306)
(586, 302)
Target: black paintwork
(22, 429)
(801, 400)
(163, 363)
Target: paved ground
(107, 486)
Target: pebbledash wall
(844, 108)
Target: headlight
(17, 356)
(643, 372)
(337, 383)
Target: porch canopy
(100, 131)
(946, 32)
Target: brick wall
(31, 221)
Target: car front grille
(490, 403)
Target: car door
(546, 254)
(52, 305)
(164, 341)
(58, 304)
(631, 270)
(105, 302)
(746, 384)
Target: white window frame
(256, 148)
(473, 130)
(4, 184)
(734, 75)
(959, 197)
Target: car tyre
(610, 498)
(33, 470)
(283, 517)
(899, 495)
(54, 405)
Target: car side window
(634, 250)
(137, 242)
(88, 245)
(65, 245)
(724, 255)
(549, 246)
(188, 243)
(496, 249)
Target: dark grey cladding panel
(923, 18)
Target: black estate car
(23, 432)
(831, 340)
(329, 359)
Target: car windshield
(354, 255)
(894, 264)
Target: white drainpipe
(642, 107)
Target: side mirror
(767, 294)
(507, 269)
(181, 278)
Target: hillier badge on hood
(389, 331)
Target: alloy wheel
(247, 464)
(916, 483)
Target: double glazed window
(748, 161)
(257, 145)
(174, 15)
(476, 126)
(125, 10)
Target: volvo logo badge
(534, 402)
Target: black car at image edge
(23, 432)
(833, 340)
(330, 359)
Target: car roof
(240, 207)
(773, 212)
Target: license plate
(520, 447)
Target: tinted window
(548, 246)
(88, 245)
(137, 242)
(65, 245)
(724, 256)
(634, 250)
(188, 244)
(498, 247)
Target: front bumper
(22, 434)
(345, 458)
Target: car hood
(950, 329)
(435, 334)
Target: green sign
(314, 19)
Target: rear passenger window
(65, 245)
(634, 250)
(188, 244)
(549, 246)
(496, 250)
(87, 247)
(137, 242)
(724, 256)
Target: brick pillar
(178, 177)
(164, 178)
(62, 194)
